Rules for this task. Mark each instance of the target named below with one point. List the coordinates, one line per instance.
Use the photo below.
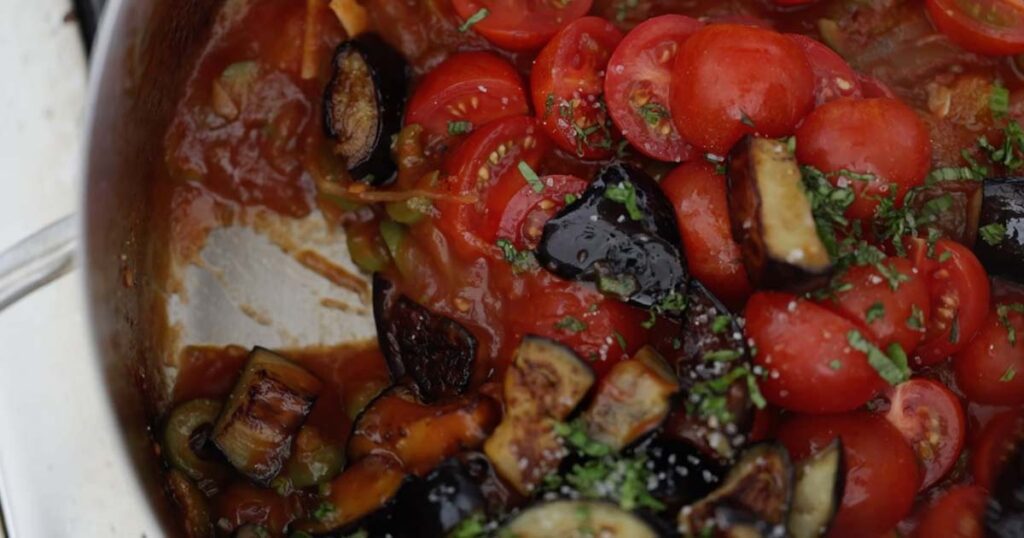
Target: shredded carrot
(352, 15)
(311, 40)
(358, 192)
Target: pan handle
(37, 260)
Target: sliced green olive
(368, 252)
(314, 460)
(186, 430)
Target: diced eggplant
(366, 488)
(498, 496)
(1004, 515)
(684, 474)
(185, 439)
(818, 492)
(544, 383)
(632, 400)
(363, 106)
(1002, 208)
(435, 351)
(418, 434)
(431, 507)
(755, 496)
(266, 408)
(578, 519)
(621, 234)
(714, 418)
(771, 218)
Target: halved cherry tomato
(700, 198)
(893, 307)
(516, 211)
(833, 77)
(956, 514)
(731, 80)
(931, 419)
(464, 92)
(881, 137)
(483, 160)
(959, 290)
(990, 369)
(520, 24)
(805, 352)
(607, 331)
(882, 477)
(636, 86)
(993, 27)
(873, 88)
(242, 503)
(567, 84)
(997, 440)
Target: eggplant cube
(772, 219)
(266, 408)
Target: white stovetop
(51, 401)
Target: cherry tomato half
(997, 440)
(636, 86)
(881, 137)
(931, 419)
(489, 156)
(700, 198)
(993, 27)
(731, 80)
(517, 211)
(464, 92)
(990, 369)
(567, 84)
(833, 77)
(893, 307)
(806, 354)
(881, 471)
(520, 24)
(959, 290)
(956, 514)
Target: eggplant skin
(1004, 515)
(818, 492)
(596, 239)
(435, 351)
(576, 519)
(685, 474)
(363, 105)
(1003, 203)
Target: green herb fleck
(620, 339)
(473, 19)
(570, 198)
(474, 526)
(954, 329)
(999, 100)
(653, 113)
(721, 324)
(324, 512)
(874, 313)
(531, 177)
(1003, 313)
(619, 285)
(624, 193)
(835, 364)
(722, 355)
(745, 120)
(1008, 375)
(916, 319)
(993, 234)
(892, 368)
(571, 324)
(549, 104)
(459, 127)
(521, 260)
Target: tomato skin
(638, 79)
(989, 369)
(834, 78)
(515, 211)
(977, 36)
(449, 91)
(461, 222)
(881, 469)
(956, 514)
(566, 82)
(958, 287)
(869, 288)
(931, 419)
(883, 137)
(994, 445)
(700, 198)
(518, 27)
(728, 76)
(797, 342)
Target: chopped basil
(571, 324)
(874, 313)
(953, 173)
(835, 364)
(620, 339)
(549, 104)
(954, 329)
(459, 127)
(324, 511)
(570, 198)
(745, 120)
(674, 302)
(891, 275)
(473, 19)
(993, 234)
(945, 256)
(652, 318)
(520, 260)
(653, 113)
(1008, 375)
(474, 526)
(916, 319)
(722, 355)
(721, 324)
(621, 285)
(893, 368)
(1003, 313)
(531, 177)
(624, 193)
(999, 100)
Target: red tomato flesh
(993, 27)
(956, 514)
(517, 211)
(520, 24)
(990, 369)
(994, 444)
(931, 419)
(834, 78)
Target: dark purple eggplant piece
(1004, 515)
(363, 106)
(772, 219)
(685, 474)
(621, 235)
(1002, 204)
(432, 506)
(435, 351)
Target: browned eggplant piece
(578, 519)
(435, 351)
(755, 497)
(363, 489)
(1000, 227)
(266, 408)
(418, 434)
(820, 483)
(1004, 515)
(632, 400)
(191, 501)
(772, 219)
(622, 235)
(718, 412)
(543, 385)
(685, 474)
(363, 106)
